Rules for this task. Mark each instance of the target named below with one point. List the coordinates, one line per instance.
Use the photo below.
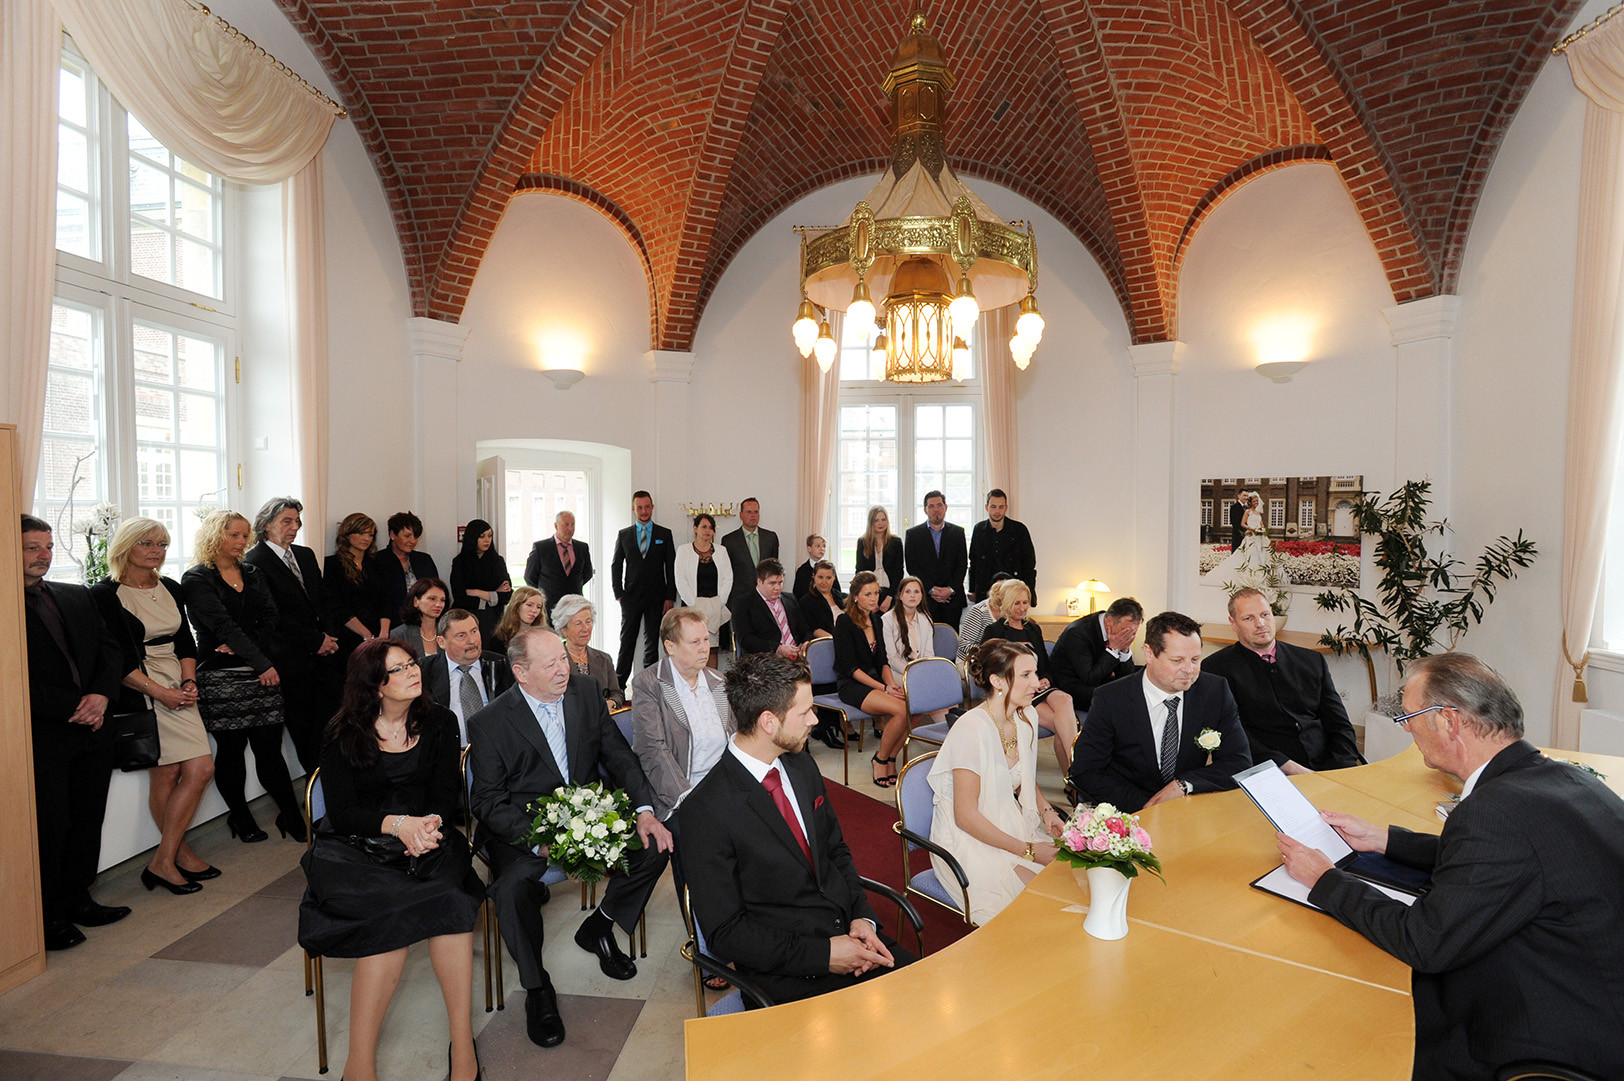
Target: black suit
(392, 576)
(311, 685)
(803, 581)
(72, 763)
(1237, 525)
(1081, 662)
(945, 569)
(738, 553)
(1008, 550)
(756, 629)
(544, 570)
(1115, 761)
(513, 765)
(816, 613)
(760, 903)
(495, 674)
(642, 584)
(1518, 951)
(1290, 709)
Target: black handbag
(135, 739)
(388, 852)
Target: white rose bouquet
(585, 829)
(1102, 836)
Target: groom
(1237, 520)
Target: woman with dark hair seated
(822, 603)
(865, 674)
(526, 608)
(480, 582)
(420, 618)
(388, 868)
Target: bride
(1256, 551)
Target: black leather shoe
(93, 915)
(62, 935)
(198, 876)
(830, 738)
(541, 1018)
(594, 937)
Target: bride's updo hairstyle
(996, 658)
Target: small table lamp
(1093, 587)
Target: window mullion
(121, 467)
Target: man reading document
(1517, 949)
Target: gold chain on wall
(232, 31)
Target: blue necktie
(642, 539)
(552, 726)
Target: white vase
(1107, 903)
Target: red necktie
(566, 556)
(775, 785)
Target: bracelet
(394, 827)
(184, 682)
(1029, 850)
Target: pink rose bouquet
(1102, 836)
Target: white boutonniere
(1208, 740)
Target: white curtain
(998, 406)
(305, 249)
(30, 46)
(1597, 64)
(820, 405)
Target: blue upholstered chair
(915, 807)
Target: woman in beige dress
(988, 811)
(146, 612)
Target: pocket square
(817, 803)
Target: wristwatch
(1189, 789)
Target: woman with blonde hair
(879, 552)
(526, 608)
(357, 600)
(147, 614)
(1054, 706)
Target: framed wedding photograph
(1304, 529)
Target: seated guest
(977, 618)
(879, 551)
(147, 614)
(358, 607)
(461, 676)
(74, 667)
(400, 563)
(765, 622)
(1055, 709)
(865, 675)
(989, 756)
(679, 712)
(390, 769)
(773, 883)
(574, 618)
(1516, 948)
(909, 633)
(419, 629)
(704, 581)
(1138, 747)
(1096, 649)
(559, 565)
(816, 547)
(479, 576)
(527, 607)
(822, 602)
(513, 766)
(1289, 706)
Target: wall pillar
(1155, 496)
(671, 371)
(1423, 334)
(435, 346)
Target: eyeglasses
(1403, 719)
(399, 668)
(152, 544)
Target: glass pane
(958, 454)
(146, 144)
(70, 404)
(71, 343)
(149, 192)
(149, 251)
(960, 420)
(71, 96)
(155, 473)
(199, 174)
(928, 421)
(199, 364)
(73, 225)
(199, 422)
(196, 212)
(154, 415)
(72, 158)
(199, 474)
(195, 267)
(59, 458)
(928, 457)
(959, 496)
(152, 354)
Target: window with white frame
(1305, 515)
(1206, 512)
(1277, 514)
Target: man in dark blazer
(756, 615)
(644, 577)
(816, 546)
(1000, 544)
(462, 666)
(1289, 706)
(545, 569)
(75, 667)
(1095, 650)
(311, 680)
(746, 547)
(937, 556)
(773, 883)
(1517, 949)
(1237, 524)
(552, 729)
(1140, 744)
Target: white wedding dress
(1254, 554)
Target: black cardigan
(359, 797)
(1030, 633)
(852, 652)
(890, 559)
(131, 634)
(244, 621)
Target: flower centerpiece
(1109, 847)
(97, 529)
(585, 829)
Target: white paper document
(1281, 884)
(1290, 811)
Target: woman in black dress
(822, 603)
(865, 676)
(479, 577)
(1054, 707)
(358, 608)
(390, 769)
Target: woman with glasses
(358, 606)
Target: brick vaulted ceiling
(691, 123)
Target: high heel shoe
(886, 781)
(292, 827)
(244, 828)
(152, 882)
(479, 1070)
(198, 876)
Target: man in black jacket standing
(643, 574)
(1001, 544)
(559, 565)
(937, 556)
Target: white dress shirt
(759, 770)
(1156, 701)
(1471, 782)
(707, 737)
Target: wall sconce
(715, 510)
(1280, 371)
(1091, 588)
(564, 378)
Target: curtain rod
(1562, 46)
(232, 31)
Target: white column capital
(670, 366)
(436, 338)
(1423, 320)
(1156, 358)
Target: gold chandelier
(919, 231)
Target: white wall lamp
(564, 378)
(1280, 371)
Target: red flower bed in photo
(1316, 548)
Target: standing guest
(1516, 948)
(479, 576)
(1055, 708)
(879, 551)
(559, 564)
(419, 629)
(936, 555)
(816, 549)
(574, 619)
(822, 603)
(147, 612)
(703, 581)
(526, 608)
(746, 547)
(462, 676)
(680, 720)
(390, 769)
(643, 576)
(235, 621)
(1289, 706)
(989, 756)
(1000, 543)
(865, 675)
(1096, 649)
(358, 607)
(400, 564)
(74, 667)
(311, 679)
(765, 621)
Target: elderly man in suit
(1096, 649)
(462, 677)
(1289, 706)
(549, 730)
(560, 564)
(75, 667)
(773, 883)
(937, 556)
(1142, 742)
(1517, 950)
(644, 577)
(310, 680)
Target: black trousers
(72, 768)
(638, 613)
(231, 769)
(311, 687)
(516, 889)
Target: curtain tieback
(1580, 694)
